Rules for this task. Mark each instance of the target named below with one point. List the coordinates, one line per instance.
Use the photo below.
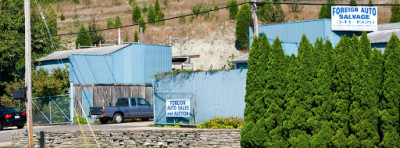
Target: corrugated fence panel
(157, 59)
(215, 93)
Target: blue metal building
(98, 76)
(211, 94)
(290, 35)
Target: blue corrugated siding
(217, 94)
(49, 65)
(91, 69)
(134, 64)
(290, 33)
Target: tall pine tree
(390, 103)
(83, 39)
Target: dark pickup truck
(125, 108)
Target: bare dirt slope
(212, 39)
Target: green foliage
(43, 84)
(390, 104)
(208, 16)
(325, 11)
(62, 17)
(117, 22)
(232, 10)
(96, 37)
(110, 23)
(182, 20)
(196, 9)
(136, 37)
(347, 97)
(223, 123)
(12, 52)
(370, 3)
(142, 24)
(159, 13)
(83, 39)
(242, 27)
(353, 3)
(136, 14)
(271, 13)
(76, 1)
(133, 3)
(80, 120)
(151, 16)
(395, 13)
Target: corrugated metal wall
(215, 93)
(290, 33)
(134, 64)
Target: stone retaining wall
(133, 138)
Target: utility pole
(255, 20)
(28, 81)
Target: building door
(87, 101)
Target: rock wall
(133, 138)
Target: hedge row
(324, 97)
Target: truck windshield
(122, 102)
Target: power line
(166, 19)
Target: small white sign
(178, 108)
(345, 18)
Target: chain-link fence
(51, 110)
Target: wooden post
(28, 81)
(255, 20)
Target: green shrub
(196, 9)
(80, 120)
(62, 17)
(395, 13)
(110, 23)
(223, 123)
(117, 22)
(136, 14)
(233, 10)
(242, 27)
(83, 39)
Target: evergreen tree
(376, 64)
(343, 71)
(136, 14)
(117, 22)
(325, 10)
(158, 11)
(151, 16)
(110, 23)
(300, 106)
(136, 37)
(242, 26)
(390, 103)
(233, 10)
(142, 24)
(279, 15)
(275, 96)
(321, 122)
(353, 3)
(365, 45)
(395, 13)
(83, 39)
(96, 37)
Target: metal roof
(242, 59)
(383, 36)
(58, 55)
(389, 26)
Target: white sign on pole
(178, 108)
(345, 18)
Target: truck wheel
(20, 127)
(103, 120)
(118, 118)
(145, 119)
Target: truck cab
(125, 108)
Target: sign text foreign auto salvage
(346, 18)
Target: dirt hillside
(212, 39)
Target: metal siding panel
(91, 69)
(157, 60)
(217, 94)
